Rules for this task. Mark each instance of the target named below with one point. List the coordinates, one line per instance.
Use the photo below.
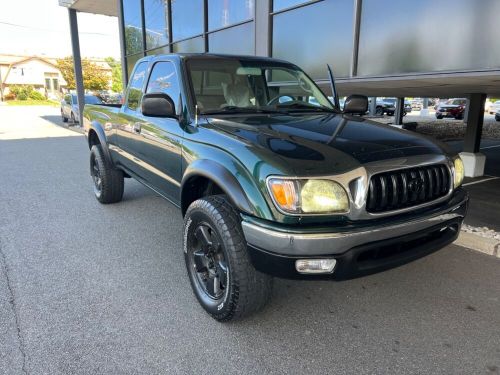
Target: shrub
(35, 95)
(22, 96)
(15, 90)
(10, 96)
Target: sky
(41, 27)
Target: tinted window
(156, 23)
(282, 4)
(164, 79)
(190, 45)
(222, 13)
(133, 26)
(238, 40)
(464, 39)
(135, 86)
(187, 18)
(311, 48)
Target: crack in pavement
(12, 301)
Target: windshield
(89, 99)
(456, 101)
(232, 85)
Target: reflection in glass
(156, 23)
(135, 86)
(238, 40)
(164, 79)
(133, 26)
(187, 18)
(328, 40)
(159, 51)
(283, 4)
(131, 60)
(222, 13)
(428, 36)
(191, 45)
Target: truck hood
(325, 143)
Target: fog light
(315, 265)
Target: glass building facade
(358, 38)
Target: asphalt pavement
(87, 288)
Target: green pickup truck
(272, 178)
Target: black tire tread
(112, 178)
(252, 289)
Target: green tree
(94, 78)
(116, 74)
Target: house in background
(38, 71)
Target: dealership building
(401, 48)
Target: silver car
(69, 106)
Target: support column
(77, 62)
(262, 28)
(121, 33)
(398, 114)
(425, 107)
(373, 106)
(473, 160)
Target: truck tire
(379, 111)
(64, 118)
(222, 276)
(108, 181)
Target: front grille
(404, 188)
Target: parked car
(451, 108)
(497, 115)
(392, 102)
(384, 107)
(268, 182)
(417, 104)
(69, 106)
(494, 107)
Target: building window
(187, 18)
(283, 4)
(223, 13)
(155, 17)
(159, 51)
(190, 45)
(132, 19)
(311, 48)
(131, 60)
(238, 40)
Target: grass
(33, 102)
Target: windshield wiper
(305, 106)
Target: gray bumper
(303, 243)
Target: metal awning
(105, 7)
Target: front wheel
(223, 279)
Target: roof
(8, 59)
(105, 7)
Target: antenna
(334, 88)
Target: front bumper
(358, 250)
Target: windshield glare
(245, 86)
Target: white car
(494, 108)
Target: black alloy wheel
(208, 261)
(96, 175)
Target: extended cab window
(164, 79)
(135, 88)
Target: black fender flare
(223, 178)
(97, 128)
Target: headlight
(302, 196)
(458, 172)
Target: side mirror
(158, 104)
(356, 104)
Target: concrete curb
(473, 241)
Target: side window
(67, 99)
(164, 79)
(135, 87)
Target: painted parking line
(478, 182)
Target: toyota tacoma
(271, 177)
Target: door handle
(137, 127)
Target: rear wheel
(108, 181)
(379, 111)
(64, 118)
(223, 279)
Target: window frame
(177, 73)
(146, 71)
